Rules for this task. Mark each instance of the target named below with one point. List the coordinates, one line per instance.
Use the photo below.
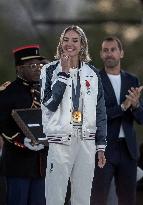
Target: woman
(73, 117)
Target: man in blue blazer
(122, 98)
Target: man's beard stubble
(111, 63)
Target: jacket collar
(108, 86)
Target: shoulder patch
(4, 85)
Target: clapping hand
(134, 95)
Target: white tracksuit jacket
(56, 96)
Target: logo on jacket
(87, 83)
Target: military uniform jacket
(17, 161)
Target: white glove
(139, 173)
(36, 147)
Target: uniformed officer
(24, 168)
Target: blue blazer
(115, 115)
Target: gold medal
(76, 116)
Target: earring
(82, 50)
(61, 50)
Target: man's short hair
(114, 38)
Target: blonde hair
(83, 54)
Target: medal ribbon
(76, 93)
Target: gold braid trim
(10, 138)
(35, 104)
(4, 85)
